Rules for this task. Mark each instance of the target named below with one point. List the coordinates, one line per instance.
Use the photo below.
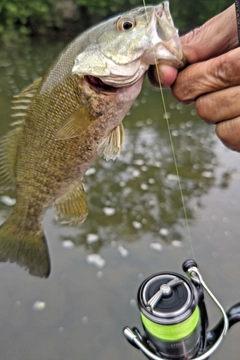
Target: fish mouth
(98, 85)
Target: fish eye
(125, 24)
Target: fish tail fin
(25, 248)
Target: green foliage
(38, 16)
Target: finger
(161, 73)
(212, 75)
(219, 105)
(214, 38)
(229, 133)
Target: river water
(135, 227)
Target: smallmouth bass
(70, 116)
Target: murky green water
(136, 227)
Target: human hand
(213, 78)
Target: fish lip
(168, 39)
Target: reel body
(174, 317)
(168, 304)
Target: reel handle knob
(188, 264)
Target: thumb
(214, 38)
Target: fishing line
(189, 238)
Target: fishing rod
(174, 317)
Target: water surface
(135, 227)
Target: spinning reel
(174, 317)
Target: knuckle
(202, 109)
(227, 70)
(228, 132)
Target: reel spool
(174, 317)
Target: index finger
(214, 38)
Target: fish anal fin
(8, 154)
(71, 208)
(78, 122)
(110, 147)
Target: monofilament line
(172, 146)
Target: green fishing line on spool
(173, 332)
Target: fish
(71, 115)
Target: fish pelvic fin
(110, 147)
(71, 208)
(25, 248)
(8, 154)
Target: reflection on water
(135, 227)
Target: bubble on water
(175, 133)
(133, 303)
(158, 164)
(176, 243)
(166, 115)
(7, 200)
(90, 171)
(226, 220)
(136, 173)
(163, 232)
(68, 244)
(39, 305)
(60, 329)
(17, 303)
(172, 105)
(136, 225)
(84, 320)
(144, 168)
(156, 246)
(149, 121)
(109, 211)
(144, 186)
(193, 112)
(122, 183)
(96, 259)
(123, 251)
(151, 181)
(138, 162)
(179, 106)
(172, 177)
(92, 238)
(207, 174)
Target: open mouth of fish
(98, 85)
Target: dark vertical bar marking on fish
(237, 6)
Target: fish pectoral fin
(8, 153)
(76, 123)
(110, 147)
(71, 208)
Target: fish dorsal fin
(78, 122)
(110, 147)
(71, 208)
(22, 101)
(8, 153)
(9, 143)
